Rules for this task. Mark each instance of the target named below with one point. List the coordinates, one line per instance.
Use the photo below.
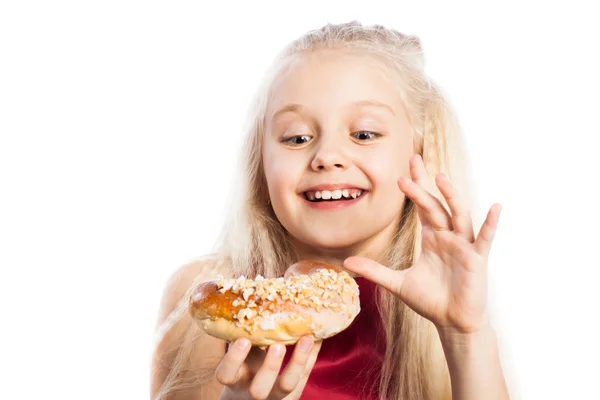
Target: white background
(120, 122)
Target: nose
(329, 156)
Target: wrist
(227, 394)
(474, 363)
(474, 344)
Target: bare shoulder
(180, 346)
(181, 281)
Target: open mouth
(317, 196)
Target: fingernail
(243, 344)
(278, 349)
(306, 345)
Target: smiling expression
(337, 139)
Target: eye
(297, 140)
(364, 136)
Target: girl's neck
(374, 248)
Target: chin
(330, 240)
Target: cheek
(282, 171)
(387, 165)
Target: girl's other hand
(447, 285)
(251, 373)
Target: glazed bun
(313, 298)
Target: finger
(418, 172)
(312, 359)
(294, 371)
(388, 278)
(431, 207)
(483, 243)
(461, 217)
(263, 381)
(255, 358)
(232, 370)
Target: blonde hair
(253, 240)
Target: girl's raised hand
(251, 373)
(448, 284)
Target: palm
(440, 287)
(448, 283)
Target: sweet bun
(313, 298)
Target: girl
(348, 108)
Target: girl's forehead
(308, 70)
(333, 80)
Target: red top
(349, 363)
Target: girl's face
(336, 127)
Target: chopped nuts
(247, 293)
(322, 289)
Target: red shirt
(349, 363)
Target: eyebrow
(357, 104)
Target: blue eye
(364, 136)
(297, 140)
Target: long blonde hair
(254, 242)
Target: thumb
(376, 273)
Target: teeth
(334, 194)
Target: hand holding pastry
(251, 373)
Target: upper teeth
(334, 194)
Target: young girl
(348, 108)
